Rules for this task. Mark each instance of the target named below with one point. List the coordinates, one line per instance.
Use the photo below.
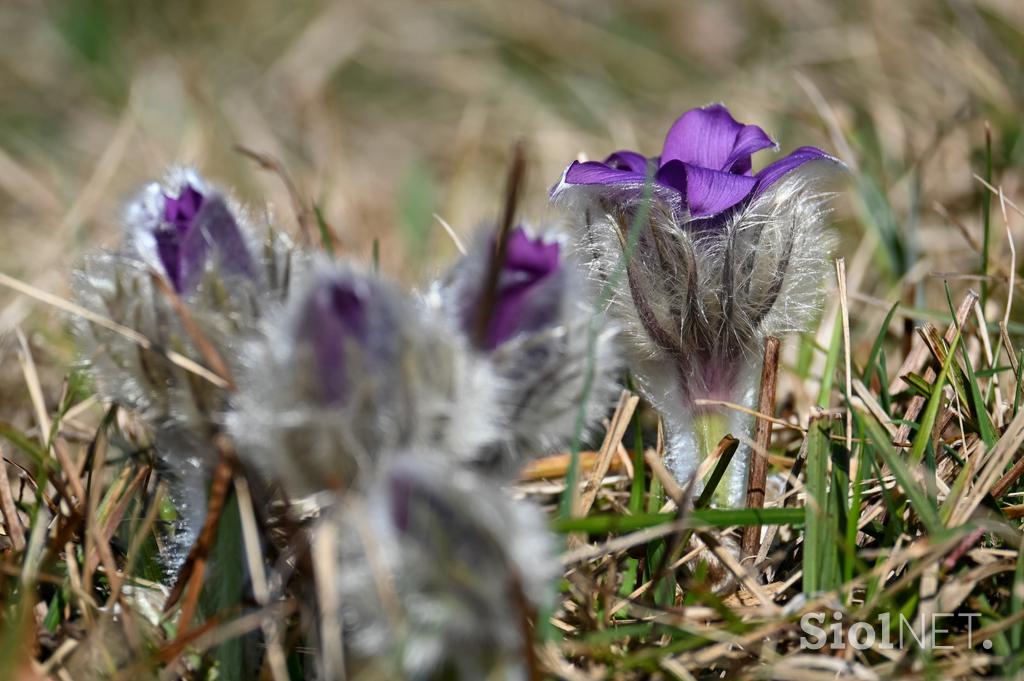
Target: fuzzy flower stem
(710, 426)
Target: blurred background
(386, 113)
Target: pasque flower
(723, 257)
(349, 371)
(704, 169)
(438, 570)
(225, 272)
(522, 307)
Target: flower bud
(461, 565)
(348, 372)
(545, 342)
(224, 274)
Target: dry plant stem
(751, 412)
(302, 211)
(45, 426)
(114, 517)
(138, 538)
(844, 305)
(1012, 475)
(526, 615)
(205, 347)
(323, 551)
(986, 345)
(134, 336)
(989, 475)
(616, 429)
(10, 511)
(862, 392)
(667, 480)
(193, 570)
(513, 189)
(261, 590)
(450, 231)
(557, 465)
(758, 475)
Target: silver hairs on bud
(438, 569)
(560, 356)
(396, 378)
(696, 301)
(224, 305)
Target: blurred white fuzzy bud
(439, 571)
(348, 372)
(539, 332)
(205, 251)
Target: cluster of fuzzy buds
(721, 258)
(192, 276)
(400, 417)
(336, 385)
(520, 302)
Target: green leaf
(605, 523)
(746, 517)
(831, 361)
(816, 508)
(699, 518)
(325, 232)
(416, 208)
(876, 347)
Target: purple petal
(431, 514)
(592, 172)
(182, 210)
(774, 172)
(627, 160)
(751, 139)
(168, 247)
(707, 192)
(335, 315)
(214, 228)
(712, 138)
(179, 214)
(520, 306)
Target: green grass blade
(931, 410)
(876, 347)
(923, 506)
(816, 506)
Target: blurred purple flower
(193, 224)
(348, 371)
(705, 161)
(535, 336)
(335, 315)
(465, 563)
(529, 263)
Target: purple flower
(465, 565)
(725, 258)
(705, 161)
(335, 316)
(520, 304)
(192, 226)
(350, 370)
(531, 324)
